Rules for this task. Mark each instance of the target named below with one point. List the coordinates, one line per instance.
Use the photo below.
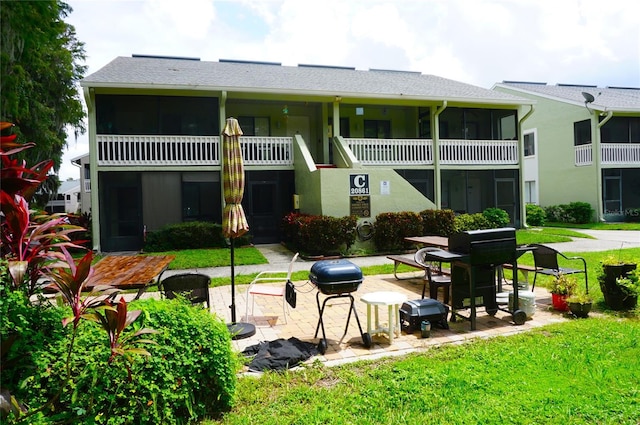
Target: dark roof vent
(576, 85)
(524, 82)
(304, 65)
(182, 58)
(623, 88)
(249, 62)
(394, 70)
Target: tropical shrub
(438, 222)
(319, 234)
(496, 217)
(190, 374)
(535, 215)
(574, 212)
(465, 222)
(392, 228)
(188, 235)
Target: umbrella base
(241, 330)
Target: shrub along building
(322, 140)
(582, 144)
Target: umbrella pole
(237, 330)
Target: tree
(40, 66)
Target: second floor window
(582, 132)
(529, 144)
(377, 129)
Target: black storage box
(335, 276)
(415, 311)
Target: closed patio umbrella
(234, 222)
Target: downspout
(523, 206)
(93, 168)
(222, 118)
(599, 164)
(435, 123)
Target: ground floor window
(530, 192)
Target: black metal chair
(545, 260)
(192, 286)
(433, 276)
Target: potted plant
(616, 296)
(580, 304)
(629, 285)
(562, 287)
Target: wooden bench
(523, 268)
(399, 259)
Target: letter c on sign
(358, 181)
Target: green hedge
(190, 375)
(574, 212)
(536, 215)
(392, 228)
(189, 235)
(319, 234)
(438, 222)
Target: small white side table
(393, 300)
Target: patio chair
(545, 260)
(433, 277)
(277, 281)
(192, 286)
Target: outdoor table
(393, 300)
(437, 241)
(129, 271)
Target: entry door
(505, 190)
(121, 213)
(613, 195)
(263, 211)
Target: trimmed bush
(496, 217)
(190, 375)
(392, 228)
(319, 235)
(535, 215)
(438, 222)
(580, 212)
(477, 221)
(189, 235)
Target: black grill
(337, 279)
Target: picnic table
(130, 271)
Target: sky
(479, 42)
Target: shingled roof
(303, 80)
(617, 99)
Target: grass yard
(582, 372)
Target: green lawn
(582, 372)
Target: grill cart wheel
(322, 346)
(492, 311)
(366, 340)
(519, 317)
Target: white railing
(420, 151)
(583, 155)
(158, 150)
(392, 151)
(267, 150)
(620, 153)
(87, 185)
(189, 150)
(478, 152)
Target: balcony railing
(132, 150)
(610, 154)
(583, 155)
(157, 150)
(620, 153)
(267, 150)
(420, 151)
(392, 151)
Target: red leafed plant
(35, 246)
